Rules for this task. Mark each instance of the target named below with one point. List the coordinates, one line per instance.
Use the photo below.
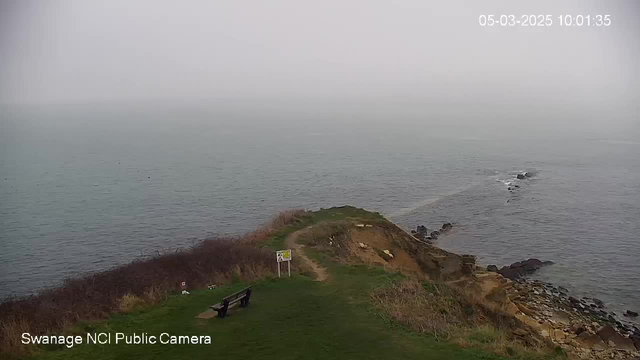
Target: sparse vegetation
(451, 315)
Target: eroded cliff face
(384, 243)
(389, 245)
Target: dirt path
(320, 271)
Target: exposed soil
(320, 271)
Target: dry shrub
(129, 303)
(155, 294)
(146, 280)
(10, 333)
(450, 314)
(435, 310)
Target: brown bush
(144, 281)
(437, 312)
(450, 314)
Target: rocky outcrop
(612, 338)
(468, 264)
(522, 268)
(579, 325)
(630, 313)
(423, 233)
(492, 268)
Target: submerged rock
(522, 268)
(630, 313)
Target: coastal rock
(563, 290)
(573, 300)
(468, 264)
(630, 313)
(622, 343)
(421, 229)
(446, 227)
(607, 332)
(492, 268)
(434, 235)
(528, 174)
(521, 268)
(592, 341)
(577, 329)
(520, 177)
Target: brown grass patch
(333, 234)
(129, 303)
(450, 314)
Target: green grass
(332, 214)
(287, 319)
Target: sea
(84, 189)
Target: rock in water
(521, 268)
(520, 177)
(630, 313)
(446, 227)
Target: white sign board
(283, 255)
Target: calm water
(84, 190)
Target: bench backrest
(237, 294)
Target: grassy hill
(287, 319)
(297, 317)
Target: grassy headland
(368, 308)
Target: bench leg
(245, 300)
(223, 312)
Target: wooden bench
(241, 296)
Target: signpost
(281, 256)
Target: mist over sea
(86, 189)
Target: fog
(384, 60)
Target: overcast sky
(125, 50)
